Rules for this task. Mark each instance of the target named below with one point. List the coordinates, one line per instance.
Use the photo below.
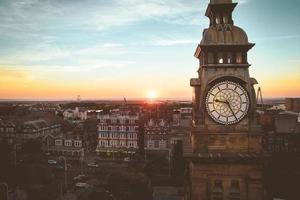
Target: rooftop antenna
(260, 97)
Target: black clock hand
(231, 110)
(219, 101)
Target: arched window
(225, 19)
(210, 58)
(234, 190)
(218, 20)
(217, 191)
(220, 58)
(239, 58)
(229, 58)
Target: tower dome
(232, 36)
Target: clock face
(227, 102)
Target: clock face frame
(227, 102)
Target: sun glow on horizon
(151, 95)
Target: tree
(6, 162)
(129, 186)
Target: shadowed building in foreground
(226, 161)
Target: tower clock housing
(224, 100)
(225, 158)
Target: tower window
(239, 58)
(234, 190)
(217, 190)
(229, 58)
(220, 58)
(218, 21)
(225, 20)
(210, 58)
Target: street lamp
(65, 167)
(6, 187)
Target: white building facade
(117, 133)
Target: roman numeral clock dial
(227, 102)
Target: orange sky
(23, 85)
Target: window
(229, 58)
(114, 121)
(122, 121)
(210, 58)
(218, 20)
(217, 190)
(132, 121)
(122, 128)
(220, 58)
(68, 143)
(103, 143)
(234, 190)
(132, 144)
(162, 144)
(77, 143)
(58, 142)
(150, 143)
(122, 143)
(131, 128)
(239, 58)
(10, 130)
(298, 118)
(225, 20)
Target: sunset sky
(107, 49)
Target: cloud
(43, 53)
(29, 16)
(279, 37)
(9, 73)
(172, 42)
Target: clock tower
(226, 157)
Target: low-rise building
(118, 134)
(157, 135)
(281, 131)
(37, 129)
(73, 144)
(7, 132)
(76, 113)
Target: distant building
(292, 104)
(118, 134)
(282, 131)
(72, 144)
(77, 113)
(36, 129)
(7, 132)
(92, 114)
(157, 135)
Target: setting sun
(151, 94)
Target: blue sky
(115, 48)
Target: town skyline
(136, 49)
